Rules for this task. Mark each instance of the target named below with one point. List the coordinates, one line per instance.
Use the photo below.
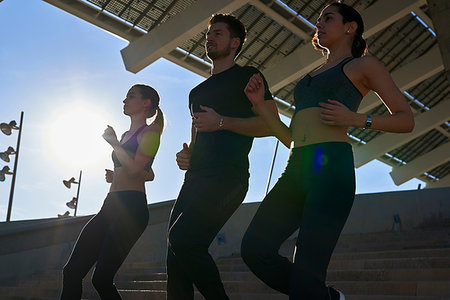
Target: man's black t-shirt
(222, 149)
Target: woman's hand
(110, 136)
(109, 175)
(255, 90)
(337, 114)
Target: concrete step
(360, 287)
(156, 295)
(414, 239)
(151, 281)
(160, 295)
(436, 252)
(393, 288)
(384, 263)
(392, 263)
(386, 297)
(390, 273)
(404, 254)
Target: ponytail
(359, 46)
(159, 119)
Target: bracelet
(368, 122)
(221, 122)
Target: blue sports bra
(129, 146)
(331, 84)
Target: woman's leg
(83, 257)
(326, 209)
(128, 218)
(277, 218)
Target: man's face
(218, 41)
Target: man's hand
(206, 121)
(109, 175)
(184, 158)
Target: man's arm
(210, 120)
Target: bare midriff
(307, 129)
(123, 181)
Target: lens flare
(320, 159)
(149, 143)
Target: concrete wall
(30, 246)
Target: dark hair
(148, 92)
(236, 28)
(349, 14)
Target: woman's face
(134, 103)
(330, 27)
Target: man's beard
(213, 55)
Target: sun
(75, 136)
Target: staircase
(412, 265)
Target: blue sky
(69, 79)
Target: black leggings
(315, 193)
(106, 240)
(203, 206)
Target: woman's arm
(255, 93)
(374, 76)
(209, 120)
(148, 146)
(379, 80)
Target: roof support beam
(388, 141)
(98, 18)
(189, 62)
(424, 18)
(305, 59)
(166, 37)
(443, 182)
(440, 10)
(284, 17)
(421, 164)
(408, 76)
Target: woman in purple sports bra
(316, 191)
(109, 236)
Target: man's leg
(179, 284)
(208, 203)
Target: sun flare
(75, 137)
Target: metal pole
(78, 195)
(11, 193)
(272, 165)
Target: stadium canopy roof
(410, 37)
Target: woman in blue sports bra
(316, 191)
(109, 236)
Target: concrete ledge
(37, 245)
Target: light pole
(73, 204)
(7, 129)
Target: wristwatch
(368, 122)
(221, 122)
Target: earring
(348, 31)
